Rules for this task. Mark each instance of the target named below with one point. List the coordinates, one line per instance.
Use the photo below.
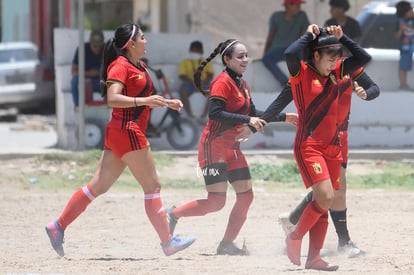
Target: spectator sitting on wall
(93, 60)
(285, 26)
(186, 72)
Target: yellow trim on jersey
(218, 97)
(113, 81)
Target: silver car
(25, 81)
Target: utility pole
(81, 84)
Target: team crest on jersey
(317, 168)
(240, 95)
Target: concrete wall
(66, 41)
(385, 122)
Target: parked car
(378, 22)
(25, 81)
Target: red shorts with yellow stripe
(318, 162)
(221, 160)
(122, 141)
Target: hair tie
(326, 46)
(228, 46)
(130, 38)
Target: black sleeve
(217, 111)
(294, 52)
(371, 88)
(253, 111)
(359, 57)
(76, 57)
(273, 112)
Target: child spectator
(186, 71)
(405, 34)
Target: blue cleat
(56, 237)
(176, 244)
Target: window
(13, 55)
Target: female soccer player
(128, 88)
(219, 154)
(316, 87)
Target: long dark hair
(225, 48)
(323, 43)
(115, 47)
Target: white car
(25, 81)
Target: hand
(175, 104)
(314, 30)
(245, 134)
(257, 123)
(335, 30)
(360, 91)
(291, 118)
(156, 101)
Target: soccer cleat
(350, 250)
(229, 248)
(176, 244)
(171, 218)
(287, 226)
(293, 250)
(319, 264)
(56, 237)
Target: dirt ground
(114, 236)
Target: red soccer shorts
(318, 162)
(221, 161)
(121, 141)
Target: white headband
(228, 46)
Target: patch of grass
(82, 157)
(393, 175)
(184, 183)
(55, 171)
(287, 173)
(63, 170)
(163, 160)
(75, 169)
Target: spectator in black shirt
(349, 25)
(93, 60)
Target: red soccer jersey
(345, 98)
(316, 100)
(237, 101)
(137, 83)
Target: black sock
(339, 220)
(294, 216)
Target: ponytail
(225, 49)
(110, 53)
(114, 47)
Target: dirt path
(114, 236)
